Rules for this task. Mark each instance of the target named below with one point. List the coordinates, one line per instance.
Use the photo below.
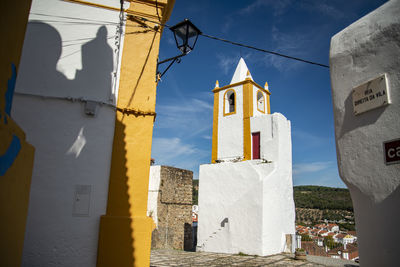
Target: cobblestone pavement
(164, 258)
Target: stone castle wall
(174, 210)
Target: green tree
(305, 237)
(330, 243)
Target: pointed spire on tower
(217, 84)
(241, 72)
(266, 86)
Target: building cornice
(215, 90)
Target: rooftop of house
(340, 236)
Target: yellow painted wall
(125, 230)
(16, 155)
(214, 151)
(247, 114)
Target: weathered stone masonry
(174, 209)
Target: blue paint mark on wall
(12, 151)
(11, 154)
(10, 88)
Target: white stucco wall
(257, 202)
(154, 188)
(230, 128)
(69, 52)
(256, 197)
(361, 52)
(269, 125)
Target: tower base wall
(245, 207)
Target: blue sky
(301, 92)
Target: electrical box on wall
(82, 200)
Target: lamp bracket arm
(171, 58)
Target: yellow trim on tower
(233, 112)
(251, 109)
(241, 83)
(262, 111)
(214, 153)
(247, 113)
(268, 96)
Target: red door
(256, 145)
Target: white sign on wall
(371, 95)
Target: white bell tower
(246, 193)
(235, 133)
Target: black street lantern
(186, 35)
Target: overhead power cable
(202, 34)
(244, 45)
(263, 50)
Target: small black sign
(392, 151)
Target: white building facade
(365, 67)
(246, 194)
(65, 92)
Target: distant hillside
(311, 197)
(322, 198)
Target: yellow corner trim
(214, 151)
(233, 112)
(241, 83)
(247, 113)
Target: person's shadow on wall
(94, 80)
(65, 135)
(38, 75)
(42, 50)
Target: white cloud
(175, 152)
(208, 95)
(227, 24)
(202, 104)
(279, 7)
(310, 139)
(189, 117)
(323, 8)
(168, 149)
(317, 173)
(207, 137)
(227, 63)
(311, 167)
(291, 44)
